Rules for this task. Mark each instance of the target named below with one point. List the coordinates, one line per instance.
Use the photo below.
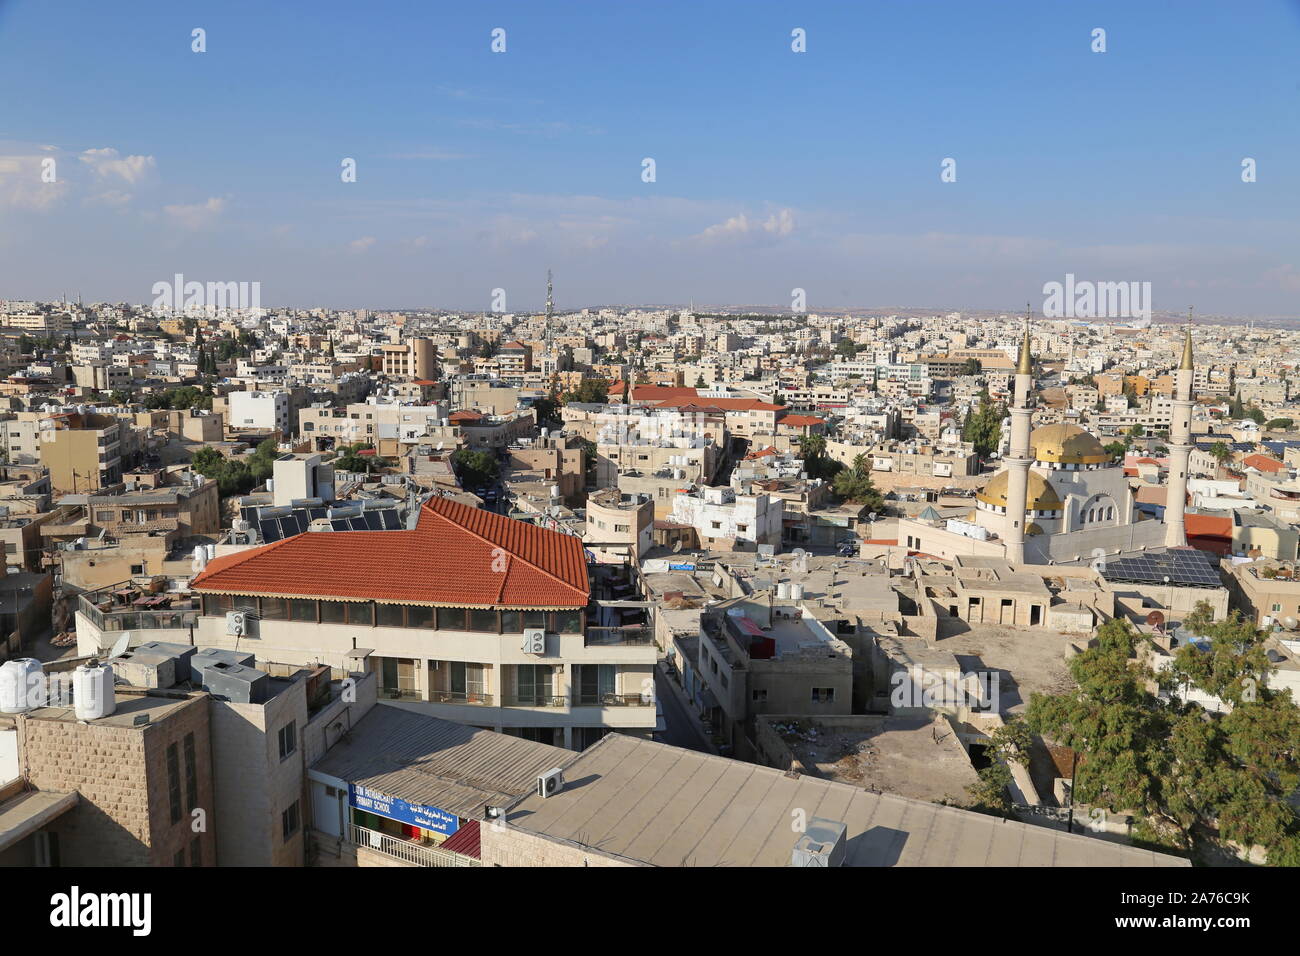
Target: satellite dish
(120, 647)
(1155, 619)
(677, 546)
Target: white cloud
(741, 228)
(109, 163)
(362, 244)
(22, 187)
(197, 215)
(112, 197)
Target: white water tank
(783, 591)
(92, 691)
(796, 592)
(22, 686)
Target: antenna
(120, 647)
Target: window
(534, 683)
(174, 782)
(759, 695)
(390, 615)
(451, 619)
(288, 739)
(482, 619)
(191, 774)
(566, 622)
(468, 680)
(823, 695)
(333, 612)
(289, 821)
(301, 610)
(417, 616)
(274, 609)
(512, 622)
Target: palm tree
(813, 446)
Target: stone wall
(508, 846)
(124, 817)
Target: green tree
(1116, 449)
(983, 427)
(1007, 744)
(475, 468)
(1280, 424)
(593, 391)
(855, 485)
(1194, 778)
(972, 366)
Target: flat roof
(433, 762)
(26, 813)
(651, 803)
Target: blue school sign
(381, 804)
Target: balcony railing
(128, 619)
(612, 700)
(608, 636)
(460, 697)
(536, 700)
(394, 693)
(418, 854)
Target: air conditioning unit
(534, 640)
(236, 623)
(550, 783)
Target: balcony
(111, 618)
(460, 697)
(416, 854)
(535, 700)
(612, 700)
(613, 636)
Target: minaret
(1021, 456)
(1180, 447)
(550, 311)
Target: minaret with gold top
(1180, 447)
(1020, 455)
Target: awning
(25, 814)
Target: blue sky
(775, 169)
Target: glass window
(451, 619)
(302, 610)
(174, 782)
(218, 604)
(417, 616)
(390, 615)
(333, 612)
(191, 773)
(288, 739)
(289, 821)
(512, 622)
(534, 619)
(274, 609)
(483, 620)
(567, 622)
(361, 613)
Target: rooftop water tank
(22, 686)
(92, 691)
(783, 591)
(796, 592)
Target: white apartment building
(260, 410)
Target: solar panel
(1185, 567)
(270, 530)
(339, 524)
(373, 521)
(392, 520)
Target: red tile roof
(1263, 463)
(465, 415)
(465, 841)
(456, 556)
(801, 421)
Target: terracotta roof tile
(456, 555)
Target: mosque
(1059, 497)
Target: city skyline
(774, 170)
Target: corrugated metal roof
(651, 803)
(437, 763)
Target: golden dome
(1041, 495)
(1067, 445)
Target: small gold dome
(1067, 445)
(1041, 495)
